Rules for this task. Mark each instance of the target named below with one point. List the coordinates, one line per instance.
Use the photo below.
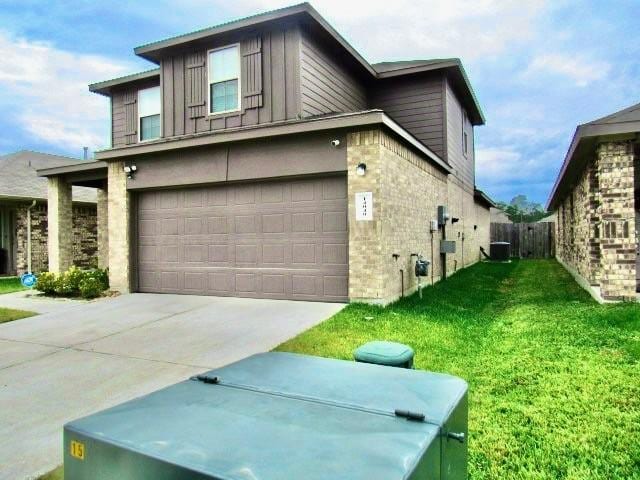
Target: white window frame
(139, 126)
(209, 82)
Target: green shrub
(46, 283)
(74, 282)
(91, 287)
(102, 275)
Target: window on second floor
(149, 113)
(224, 79)
(465, 137)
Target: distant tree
(520, 210)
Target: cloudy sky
(538, 67)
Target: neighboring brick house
(597, 202)
(266, 158)
(20, 187)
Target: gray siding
(326, 86)
(270, 84)
(464, 165)
(417, 104)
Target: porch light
(130, 170)
(361, 169)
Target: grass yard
(8, 314)
(554, 377)
(10, 284)
(57, 474)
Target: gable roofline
(622, 122)
(105, 87)
(452, 65)
(153, 51)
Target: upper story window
(224, 79)
(465, 137)
(149, 113)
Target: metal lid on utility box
(385, 353)
(273, 416)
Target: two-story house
(266, 158)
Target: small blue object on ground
(28, 280)
(391, 354)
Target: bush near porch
(74, 283)
(554, 377)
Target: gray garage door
(277, 239)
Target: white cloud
(581, 70)
(46, 88)
(406, 29)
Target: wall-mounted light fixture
(130, 170)
(455, 220)
(361, 169)
(475, 227)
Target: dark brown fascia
(483, 198)
(155, 50)
(105, 88)
(72, 168)
(341, 121)
(582, 143)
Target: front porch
(109, 180)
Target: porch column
(118, 216)
(103, 228)
(60, 225)
(615, 164)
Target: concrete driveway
(85, 357)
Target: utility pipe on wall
(33, 204)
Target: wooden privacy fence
(528, 240)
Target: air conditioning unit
(500, 251)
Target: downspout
(33, 204)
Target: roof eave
(484, 198)
(477, 116)
(72, 168)
(341, 121)
(105, 87)
(583, 133)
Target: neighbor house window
(149, 113)
(224, 79)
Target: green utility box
(280, 416)
(391, 354)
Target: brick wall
(84, 237)
(407, 190)
(596, 223)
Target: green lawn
(10, 284)
(57, 474)
(8, 314)
(554, 377)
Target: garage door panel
(283, 239)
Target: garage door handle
(456, 436)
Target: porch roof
(87, 174)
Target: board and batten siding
(269, 85)
(416, 103)
(325, 85)
(464, 165)
(124, 113)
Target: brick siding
(84, 237)
(407, 190)
(596, 223)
